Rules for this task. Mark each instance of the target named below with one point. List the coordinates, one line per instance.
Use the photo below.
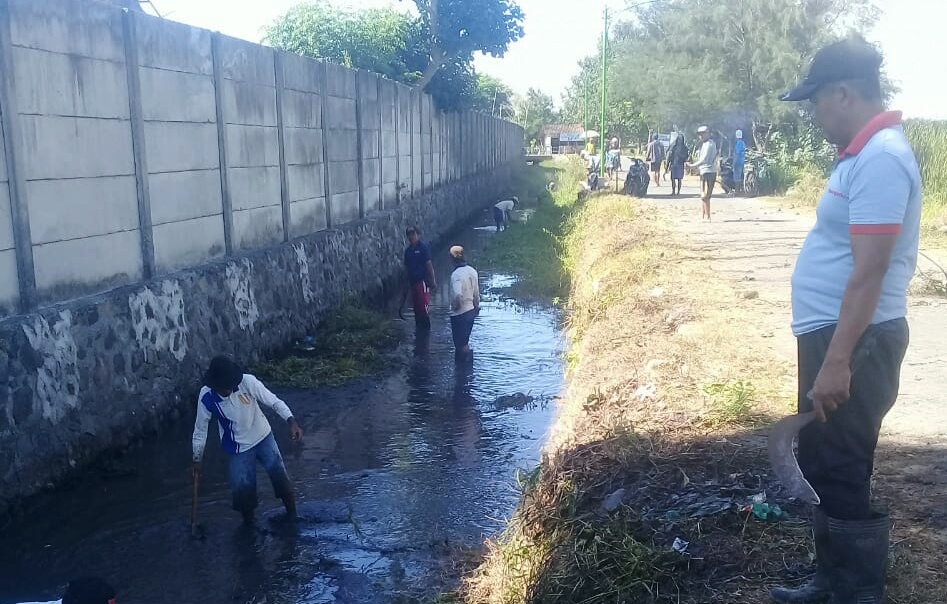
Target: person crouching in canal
(464, 303)
(233, 398)
(421, 279)
(501, 212)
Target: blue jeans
(243, 474)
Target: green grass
(531, 250)
(929, 140)
(351, 343)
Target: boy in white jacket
(233, 398)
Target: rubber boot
(289, 502)
(860, 551)
(819, 587)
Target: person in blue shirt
(420, 273)
(739, 160)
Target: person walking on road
(707, 166)
(655, 157)
(420, 273)
(677, 157)
(849, 301)
(501, 212)
(464, 303)
(739, 160)
(233, 398)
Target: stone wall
(85, 376)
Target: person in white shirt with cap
(707, 166)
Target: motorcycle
(637, 179)
(725, 176)
(756, 176)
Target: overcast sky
(560, 32)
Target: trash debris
(765, 512)
(646, 391)
(759, 498)
(657, 292)
(680, 545)
(613, 501)
(517, 400)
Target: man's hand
(196, 470)
(831, 388)
(295, 431)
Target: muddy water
(399, 474)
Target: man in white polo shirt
(849, 301)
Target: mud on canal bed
(400, 475)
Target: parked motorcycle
(756, 176)
(725, 176)
(637, 179)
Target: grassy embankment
(668, 384)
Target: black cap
(223, 374)
(88, 590)
(850, 59)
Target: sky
(561, 32)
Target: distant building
(562, 138)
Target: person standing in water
(464, 303)
(420, 273)
(233, 398)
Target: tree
(386, 41)
(683, 62)
(376, 39)
(459, 28)
(534, 110)
(493, 96)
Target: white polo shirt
(875, 188)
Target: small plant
(732, 402)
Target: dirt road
(754, 244)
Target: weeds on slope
(642, 493)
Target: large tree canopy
(681, 62)
(386, 41)
(459, 28)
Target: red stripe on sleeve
(875, 229)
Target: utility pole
(585, 115)
(604, 82)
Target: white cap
(703, 129)
(739, 133)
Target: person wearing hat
(233, 398)
(739, 159)
(85, 590)
(707, 166)
(464, 302)
(849, 301)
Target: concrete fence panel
(341, 140)
(180, 129)
(301, 100)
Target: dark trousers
(460, 327)
(837, 457)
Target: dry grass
(668, 382)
